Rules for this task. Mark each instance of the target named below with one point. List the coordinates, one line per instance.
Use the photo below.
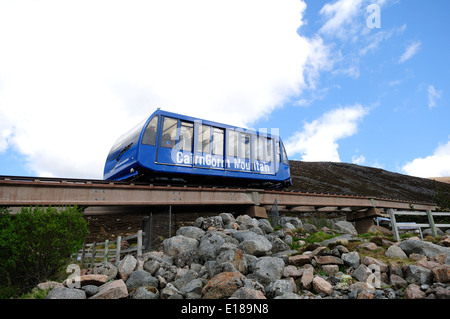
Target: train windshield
(125, 141)
(149, 137)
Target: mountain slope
(352, 179)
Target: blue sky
(75, 75)
(399, 73)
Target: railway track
(32, 191)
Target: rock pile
(245, 258)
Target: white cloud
(359, 160)
(317, 141)
(76, 75)
(339, 15)
(433, 96)
(435, 165)
(410, 51)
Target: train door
(176, 143)
(209, 147)
(239, 151)
(264, 159)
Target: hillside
(441, 179)
(352, 179)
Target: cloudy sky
(356, 81)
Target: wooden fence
(431, 224)
(95, 253)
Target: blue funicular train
(171, 148)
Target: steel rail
(32, 191)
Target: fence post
(147, 233)
(139, 243)
(431, 222)
(105, 254)
(83, 253)
(394, 224)
(119, 243)
(94, 246)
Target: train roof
(266, 132)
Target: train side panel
(173, 145)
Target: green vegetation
(34, 245)
(442, 197)
(319, 237)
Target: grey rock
(265, 226)
(339, 240)
(426, 248)
(228, 220)
(288, 295)
(126, 267)
(398, 282)
(140, 278)
(361, 273)
(148, 292)
(258, 246)
(278, 245)
(294, 221)
(233, 255)
(247, 293)
(278, 288)
(428, 232)
(183, 280)
(191, 232)
(90, 290)
(177, 244)
(209, 246)
(268, 269)
(395, 252)
(152, 266)
(112, 290)
(418, 275)
(170, 292)
(214, 221)
(246, 222)
(187, 258)
(193, 286)
(310, 228)
(66, 293)
(244, 235)
(351, 259)
(105, 268)
(345, 227)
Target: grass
(301, 240)
(35, 293)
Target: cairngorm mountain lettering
(212, 161)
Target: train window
(169, 133)
(204, 139)
(260, 148)
(285, 158)
(269, 150)
(233, 143)
(245, 146)
(149, 137)
(218, 141)
(186, 133)
(278, 151)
